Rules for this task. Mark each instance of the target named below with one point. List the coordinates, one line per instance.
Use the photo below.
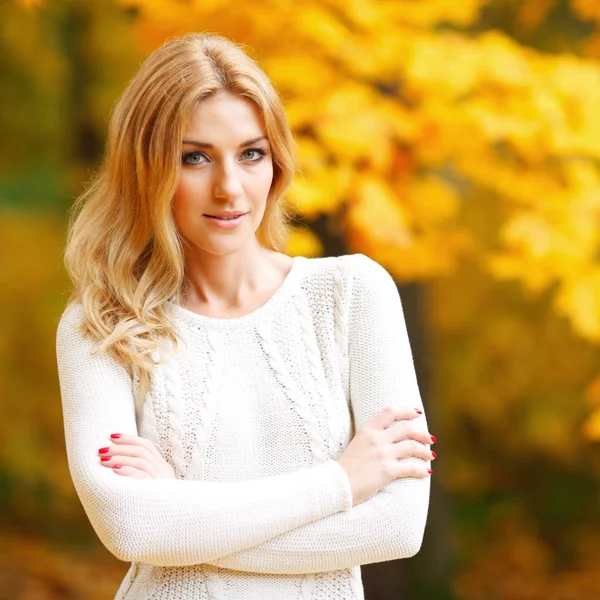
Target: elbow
(120, 543)
(402, 546)
(135, 543)
(132, 549)
(411, 546)
(124, 537)
(410, 523)
(131, 543)
(121, 553)
(410, 539)
(114, 529)
(119, 524)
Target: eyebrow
(205, 145)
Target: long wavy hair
(124, 253)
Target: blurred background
(456, 142)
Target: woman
(211, 385)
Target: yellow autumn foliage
(455, 156)
(383, 99)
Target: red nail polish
(433, 439)
(105, 458)
(104, 450)
(429, 471)
(417, 410)
(115, 435)
(433, 454)
(117, 466)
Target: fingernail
(104, 450)
(433, 454)
(104, 458)
(429, 471)
(115, 435)
(433, 439)
(418, 411)
(117, 466)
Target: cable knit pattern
(214, 372)
(316, 370)
(145, 416)
(251, 412)
(214, 584)
(296, 398)
(175, 408)
(341, 320)
(308, 587)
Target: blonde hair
(124, 254)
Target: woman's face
(226, 167)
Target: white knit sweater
(252, 414)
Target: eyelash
(260, 151)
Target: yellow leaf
(299, 73)
(591, 428)
(587, 9)
(303, 242)
(592, 392)
(376, 210)
(531, 232)
(321, 191)
(579, 299)
(30, 3)
(427, 13)
(431, 201)
(321, 27)
(423, 66)
(351, 125)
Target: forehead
(225, 116)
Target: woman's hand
(371, 459)
(136, 457)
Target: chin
(235, 246)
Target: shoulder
(69, 332)
(71, 319)
(351, 271)
(350, 279)
(363, 268)
(356, 265)
(73, 313)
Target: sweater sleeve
(390, 524)
(170, 522)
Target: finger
(125, 450)
(106, 461)
(141, 464)
(135, 440)
(411, 448)
(388, 416)
(127, 471)
(408, 429)
(410, 469)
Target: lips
(226, 214)
(226, 221)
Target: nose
(227, 183)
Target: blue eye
(261, 154)
(253, 155)
(191, 158)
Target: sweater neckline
(258, 314)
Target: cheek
(184, 191)
(187, 195)
(178, 206)
(183, 206)
(266, 181)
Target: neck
(226, 281)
